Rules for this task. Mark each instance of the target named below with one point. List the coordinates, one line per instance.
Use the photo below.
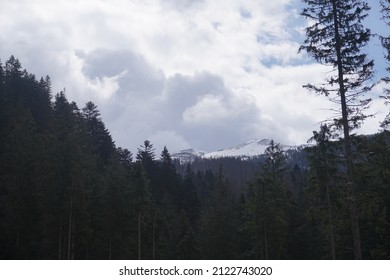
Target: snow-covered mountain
(246, 150)
(189, 155)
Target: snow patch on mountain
(246, 150)
(188, 155)
(249, 149)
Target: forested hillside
(68, 192)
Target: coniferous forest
(68, 192)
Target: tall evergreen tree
(103, 143)
(190, 197)
(374, 181)
(336, 38)
(146, 156)
(124, 156)
(2, 105)
(267, 207)
(143, 206)
(385, 4)
(219, 222)
(323, 178)
(118, 213)
(168, 182)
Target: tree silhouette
(336, 38)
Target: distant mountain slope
(246, 150)
(188, 155)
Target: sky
(204, 74)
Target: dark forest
(68, 192)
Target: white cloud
(205, 73)
(208, 110)
(171, 139)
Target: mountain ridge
(247, 150)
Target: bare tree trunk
(347, 143)
(70, 227)
(331, 234)
(72, 240)
(109, 249)
(60, 242)
(154, 244)
(139, 234)
(87, 251)
(17, 241)
(265, 240)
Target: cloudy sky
(206, 74)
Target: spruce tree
(385, 4)
(219, 222)
(267, 207)
(322, 182)
(374, 180)
(142, 203)
(336, 38)
(146, 156)
(167, 175)
(103, 143)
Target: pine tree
(336, 38)
(168, 181)
(186, 244)
(243, 234)
(267, 206)
(299, 239)
(219, 222)
(2, 103)
(117, 223)
(146, 156)
(125, 157)
(323, 167)
(385, 4)
(190, 197)
(373, 171)
(142, 202)
(103, 143)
